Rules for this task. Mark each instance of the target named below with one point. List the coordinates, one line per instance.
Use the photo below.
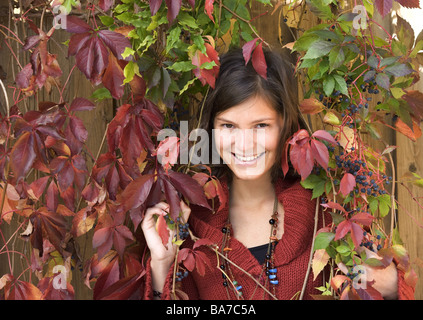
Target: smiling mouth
(247, 159)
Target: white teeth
(245, 159)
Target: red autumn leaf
(113, 78)
(208, 8)
(412, 134)
(247, 49)
(409, 3)
(81, 104)
(301, 154)
(172, 197)
(311, 106)
(324, 135)
(105, 5)
(320, 153)
(356, 234)
(210, 189)
(122, 237)
(259, 61)
(383, 6)
(369, 293)
(363, 218)
(83, 221)
(116, 42)
(21, 290)
(168, 152)
(78, 129)
(38, 186)
(202, 242)
(201, 178)
(173, 7)
(342, 229)
(334, 205)
(163, 230)
(109, 275)
(137, 192)
(199, 59)
(103, 240)
(23, 78)
(50, 225)
(189, 188)
(347, 184)
(154, 6)
(186, 256)
(76, 25)
(22, 155)
(52, 197)
(123, 289)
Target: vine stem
(316, 219)
(246, 21)
(214, 248)
(392, 197)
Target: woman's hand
(386, 280)
(162, 256)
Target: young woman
(266, 229)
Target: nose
(248, 142)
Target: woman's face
(247, 137)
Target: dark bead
(224, 230)
(225, 284)
(222, 267)
(272, 221)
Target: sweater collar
(298, 222)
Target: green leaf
(182, 66)
(328, 85)
(101, 94)
(341, 84)
(382, 80)
(319, 49)
(322, 240)
(131, 69)
(188, 20)
(304, 42)
(106, 20)
(336, 58)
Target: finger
(186, 210)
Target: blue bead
(272, 276)
(274, 270)
(274, 281)
(238, 288)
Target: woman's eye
(262, 125)
(227, 126)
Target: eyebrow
(255, 121)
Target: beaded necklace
(268, 276)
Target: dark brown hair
(237, 82)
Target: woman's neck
(251, 193)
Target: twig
(316, 219)
(248, 274)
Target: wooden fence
(408, 157)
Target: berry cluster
(183, 229)
(175, 116)
(370, 86)
(181, 275)
(371, 244)
(367, 182)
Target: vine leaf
(208, 8)
(163, 230)
(23, 155)
(347, 184)
(383, 6)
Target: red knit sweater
(291, 254)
